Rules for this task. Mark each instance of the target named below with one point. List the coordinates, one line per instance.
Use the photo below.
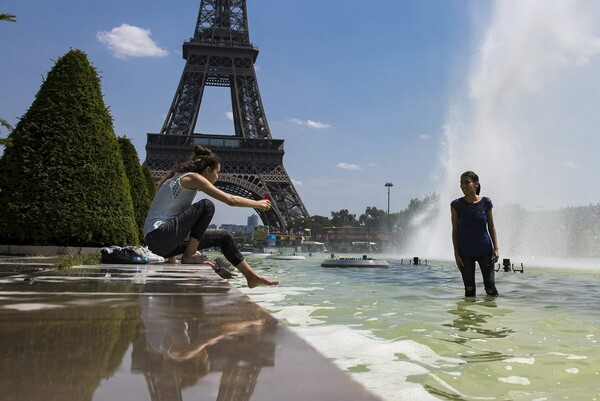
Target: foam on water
(375, 361)
(568, 356)
(299, 315)
(272, 295)
(528, 361)
(515, 380)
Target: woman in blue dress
(474, 235)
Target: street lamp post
(388, 186)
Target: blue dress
(473, 238)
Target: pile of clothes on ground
(138, 254)
(129, 255)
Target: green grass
(69, 260)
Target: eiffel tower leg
(247, 104)
(183, 113)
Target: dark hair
(202, 159)
(474, 177)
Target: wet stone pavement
(149, 332)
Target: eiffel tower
(220, 54)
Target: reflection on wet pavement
(98, 333)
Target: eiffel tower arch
(220, 54)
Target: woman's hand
(495, 256)
(459, 262)
(265, 205)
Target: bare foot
(172, 260)
(259, 280)
(196, 259)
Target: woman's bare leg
(191, 256)
(253, 279)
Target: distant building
(234, 228)
(252, 222)
(248, 229)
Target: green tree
(373, 217)
(5, 124)
(418, 212)
(137, 182)
(62, 180)
(8, 17)
(150, 182)
(314, 223)
(343, 218)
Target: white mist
(528, 124)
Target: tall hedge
(62, 180)
(137, 182)
(150, 181)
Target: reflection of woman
(175, 225)
(180, 344)
(472, 317)
(198, 346)
(474, 235)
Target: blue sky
(360, 91)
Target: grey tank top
(170, 200)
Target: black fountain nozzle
(415, 261)
(507, 266)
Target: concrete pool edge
(296, 371)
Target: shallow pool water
(407, 332)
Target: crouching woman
(177, 226)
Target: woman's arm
(457, 257)
(492, 230)
(200, 183)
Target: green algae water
(408, 333)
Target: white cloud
(309, 123)
(349, 166)
(229, 115)
(572, 165)
(424, 137)
(296, 183)
(317, 125)
(130, 41)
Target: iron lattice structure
(220, 54)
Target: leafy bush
(150, 182)
(62, 180)
(137, 182)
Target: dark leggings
(487, 271)
(171, 238)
